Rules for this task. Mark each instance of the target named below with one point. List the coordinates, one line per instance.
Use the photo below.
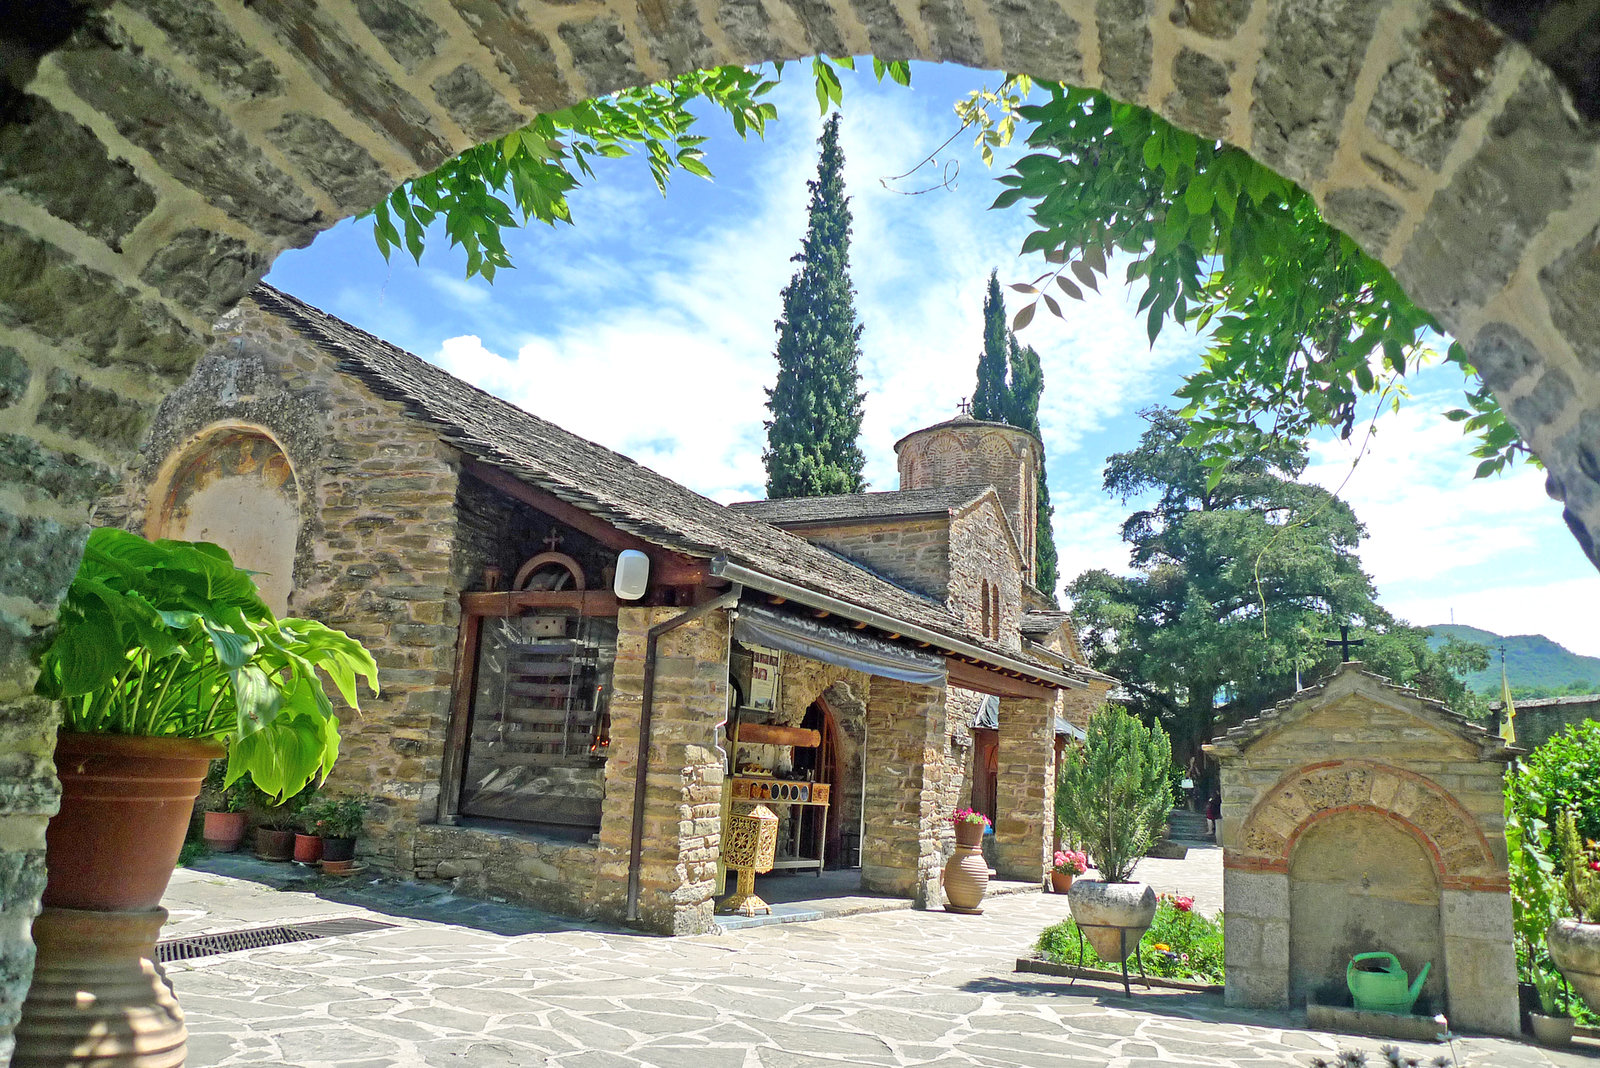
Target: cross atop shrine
(552, 540)
(1344, 641)
(964, 406)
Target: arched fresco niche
(1360, 881)
(234, 486)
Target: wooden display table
(766, 790)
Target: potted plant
(1067, 864)
(1574, 941)
(340, 825)
(308, 836)
(165, 658)
(276, 823)
(225, 820)
(966, 873)
(1113, 796)
(1552, 1026)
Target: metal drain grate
(207, 945)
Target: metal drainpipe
(647, 702)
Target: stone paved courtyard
(894, 988)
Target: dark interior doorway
(822, 765)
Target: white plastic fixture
(633, 575)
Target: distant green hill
(1532, 660)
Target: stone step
(1187, 826)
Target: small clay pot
(969, 834)
(1061, 881)
(338, 849)
(274, 845)
(307, 848)
(224, 831)
(337, 867)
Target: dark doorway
(822, 765)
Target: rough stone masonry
(155, 155)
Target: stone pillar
(1026, 788)
(1480, 960)
(29, 795)
(1255, 937)
(683, 810)
(905, 759)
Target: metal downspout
(641, 769)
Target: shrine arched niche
(233, 484)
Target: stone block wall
(683, 791)
(912, 552)
(1026, 788)
(373, 553)
(901, 852)
(547, 873)
(982, 549)
(1538, 720)
(965, 452)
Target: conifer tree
(989, 399)
(816, 403)
(1022, 410)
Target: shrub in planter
(1574, 940)
(1112, 797)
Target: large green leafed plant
(1113, 795)
(170, 639)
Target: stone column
(682, 814)
(1480, 960)
(905, 764)
(1025, 788)
(1255, 937)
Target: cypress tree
(816, 403)
(1016, 402)
(1022, 410)
(989, 399)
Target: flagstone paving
(892, 989)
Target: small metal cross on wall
(1344, 641)
(552, 540)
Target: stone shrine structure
(1358, 816)
(472, 547)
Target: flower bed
(1181, 944)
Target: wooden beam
(991, 681)
(667, 568)
(775, 599)
(455, 754)
(508, 603)
(859, 626)
(821, 613)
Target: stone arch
(234, 484)
(1460, 851)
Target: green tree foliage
(1304, 324)
(1112, 795)
(990, 396)
(1564, 774)
(816, 402)
(1237, 580)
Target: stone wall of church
(981, 550)
(912, 552)
(372, 557)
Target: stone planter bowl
(1551, 1030)
(1101, 908)
(1575, 947)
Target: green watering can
(1378, 983)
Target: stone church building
(552, 733)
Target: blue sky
(648, 326)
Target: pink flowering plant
(1182, 902)
(1070, 862)
(969, 815)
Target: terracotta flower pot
(125, 808)
(274, 845)
(1575, 947)
(969, 834)
(307, 848)
(1104, 911)
(966, 876)
(338, 848)
(98, 997)
(338, 867)
(1061, 881)
(224, 831)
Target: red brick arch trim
(1459, 848)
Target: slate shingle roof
(851, 507)
(1035, 624)
(603, 483)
